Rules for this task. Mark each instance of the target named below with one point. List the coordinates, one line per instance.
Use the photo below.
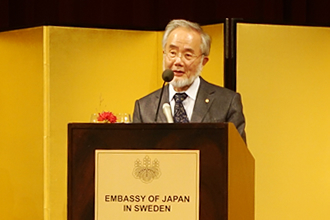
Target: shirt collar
(191, 91)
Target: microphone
(167, 112)
(168, 75)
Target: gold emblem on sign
(147, 170)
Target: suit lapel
(204, 100)
(161, 117)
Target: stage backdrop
(283, 74)
(55, 75)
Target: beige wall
(283, 75)
(21, 110)
(86, 64)
(213, 70)
(57, 75)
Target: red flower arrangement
(107, 117)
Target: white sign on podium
(147, 184)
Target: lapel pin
(207, 100)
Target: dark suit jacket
(224, 106)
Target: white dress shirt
(189, 102)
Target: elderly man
(185, 51)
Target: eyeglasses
(185, 56)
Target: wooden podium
(226, 165)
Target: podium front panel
(210, 139)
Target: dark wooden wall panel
(154, 15)
(4, 13)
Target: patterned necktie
(180, 115)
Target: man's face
(184, 57)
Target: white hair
(206, 40)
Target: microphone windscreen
(168, 75)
